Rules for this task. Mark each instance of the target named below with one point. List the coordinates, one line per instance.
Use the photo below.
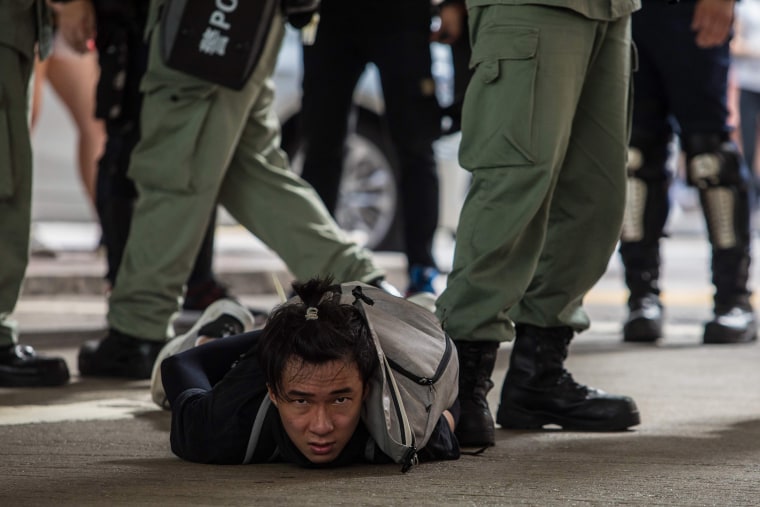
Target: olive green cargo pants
(545, 133)
(15, 183)
(201, 145)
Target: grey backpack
(418, 375)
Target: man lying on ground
(292, 392)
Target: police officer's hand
(76, 22)
(712, 22)
(452, 15)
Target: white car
(368, 197)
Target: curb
(63, 297)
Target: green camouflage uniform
(23, 23)
(202, 144)
(545, 131)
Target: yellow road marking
(702, 297)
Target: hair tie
(311, 313)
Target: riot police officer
(23, 26)
(681, 87)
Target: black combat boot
(118, 355)
(476, 363)
(20, 366)
(539, 391)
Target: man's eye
(342, 399)
(300, 402)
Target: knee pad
(647, 202)
(714, 161)
(716, 168)
(649, 155)
(635, 208)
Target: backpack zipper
(425, 381)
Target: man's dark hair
(314, 331)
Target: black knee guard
(647, 202)
(716, 168)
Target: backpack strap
(256, 430)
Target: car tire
(368, 199)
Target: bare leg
(74, 78)
(39, 76)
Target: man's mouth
(321, 448)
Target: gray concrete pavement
(101, 442)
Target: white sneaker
(424, 299)
(225, 317)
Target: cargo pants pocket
(497, 117)
(172, 123)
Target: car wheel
(368, 196)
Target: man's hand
(712, 22)
(452, 19)
(76, 22)
(449, 419)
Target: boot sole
(642, 331)
(48, 377)
(518, 419)
(131, 366)
(716, 334)
(139, 370)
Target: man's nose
(321, 421)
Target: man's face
(322, 407)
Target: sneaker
(20, 366)
(383, 284)
(38, 248)
(225, 317)
(118, 355)
(423, 299)
(202, 295)
(421, 279)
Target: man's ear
(365, 394)
(271, 395)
